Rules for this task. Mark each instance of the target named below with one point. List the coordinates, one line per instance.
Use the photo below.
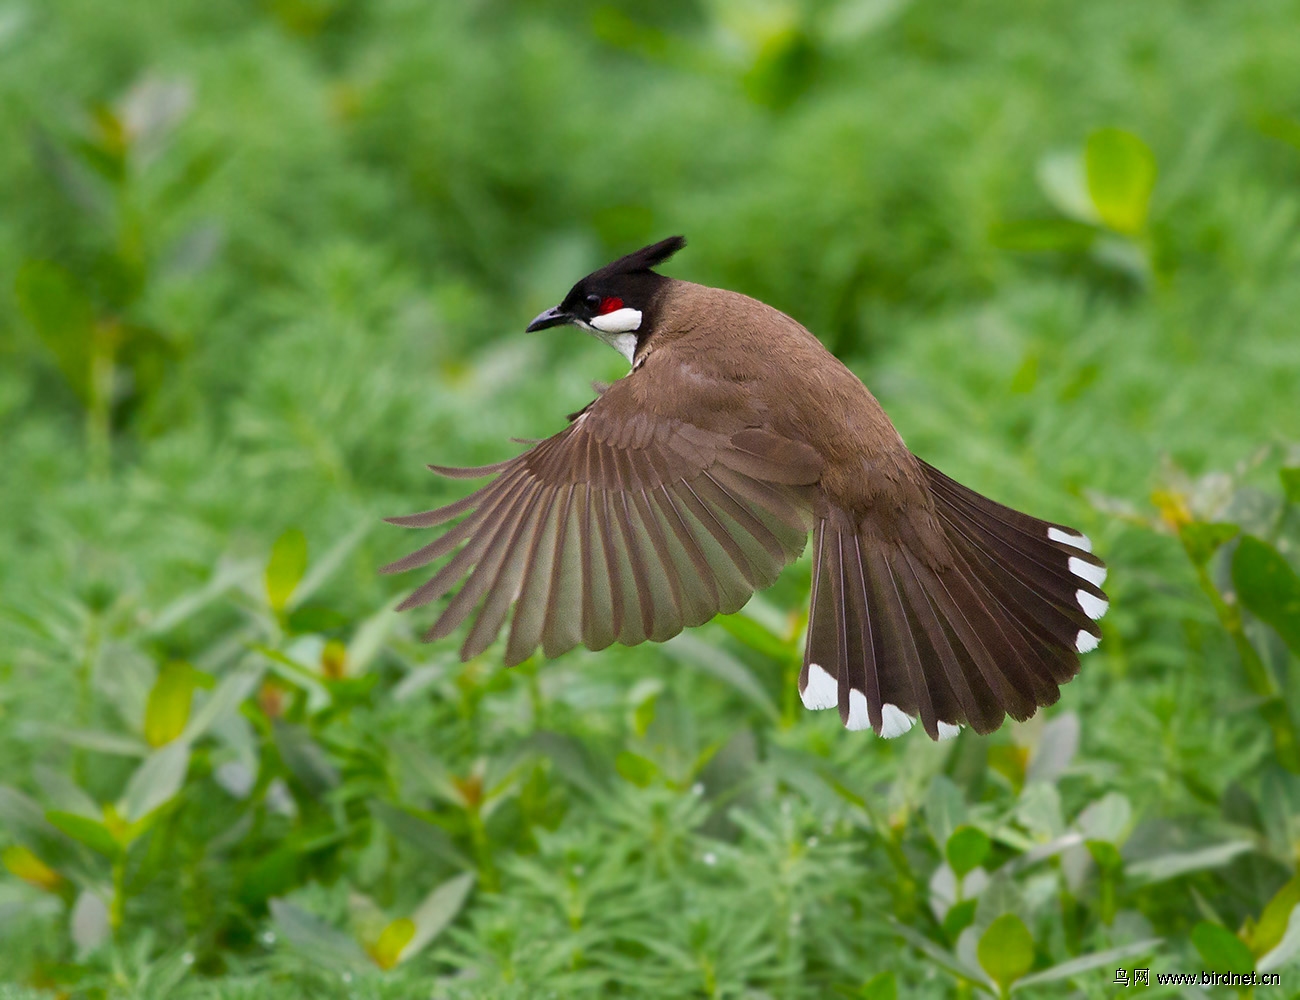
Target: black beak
(552, 317)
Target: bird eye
(593, 300)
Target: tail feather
(962, 675)
(863, 674)
(895, 648)
(985, 620)
(1037, 612)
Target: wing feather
(625, 526)
(530, 608)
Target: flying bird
(689, 483)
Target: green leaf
(945, 809)
(1106, 819)
(1063, 178)
(156, 782)
(328, 564)
(1006, 950)
(168, 708)
(285, 568)
(645, 700)
(186, 605)
(314, 938)
(1273, 921)
(89, 922)
(1043, 235)
(883, 986)
(1055, 750)
(20, 861)
(437, 911)
(226, 697)
(1268, 588)
(944, 959)
(1176, 863)
(426, 836)
(387, 949)
(1221, 950)
(369, 637)
(967, 848)
(90, 832)
(1087, 963)
(756, 636)
(709, 659)
(1291, 483)
(100, 741)
(959, 917)
(315, 618)
(63, 318)
(784, 68)
(1202, 539)
(274, 873)
(572, 761)
(635, 768)
(1105, 854)
(1285, 951)
(25, 821)
(305, 759)
(1121, 173)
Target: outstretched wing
(625, 526)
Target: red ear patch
(609, 305)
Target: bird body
(689, 484)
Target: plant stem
(117, 908)
(482, 850)
(99, 415)
(1274, 709)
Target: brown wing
(625, 526)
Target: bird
(688, 484)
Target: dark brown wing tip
(406, 521)
(469, 472)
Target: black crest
(643, 259)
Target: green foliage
(966, 850)
(1220, 949)
(285, 568)
(1121, 172)
(266, 260)
(1268, 587)
(1006, 950)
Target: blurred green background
(263, 259)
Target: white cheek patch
(623, 320)
(624, 343)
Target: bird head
(616, 303)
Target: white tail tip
(1070, 538)
(1091, 572)
(858, 715)
(821, 691)
(892, 721)
(1093, 607)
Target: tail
(993, 628)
